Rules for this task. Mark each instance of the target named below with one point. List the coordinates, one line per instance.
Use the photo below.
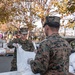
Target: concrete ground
(5, 63)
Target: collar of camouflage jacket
(54, 35)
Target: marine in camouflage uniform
(52, 57)
(27, 45)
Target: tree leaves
(71, 6)
(18, 10)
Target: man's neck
(49, 34)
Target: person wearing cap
(21, 39)
(52, 57)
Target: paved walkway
(5, 63)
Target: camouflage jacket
(72, 43)
(27, 45)
(52, 57)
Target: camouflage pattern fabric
(72, 43)
(13, 65)
(27, 45)
(52, 57)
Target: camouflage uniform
(27, 45)
(72, 43)
(52, 57)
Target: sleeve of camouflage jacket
(40, 64)
(10, 44)
(14, 61)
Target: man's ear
(47, 27)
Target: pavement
(5, 63)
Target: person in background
(17, 34)
(52, 57)
(21, 39)
(1, 35)
(10, 36)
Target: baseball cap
(52, 21)
(24, 30)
